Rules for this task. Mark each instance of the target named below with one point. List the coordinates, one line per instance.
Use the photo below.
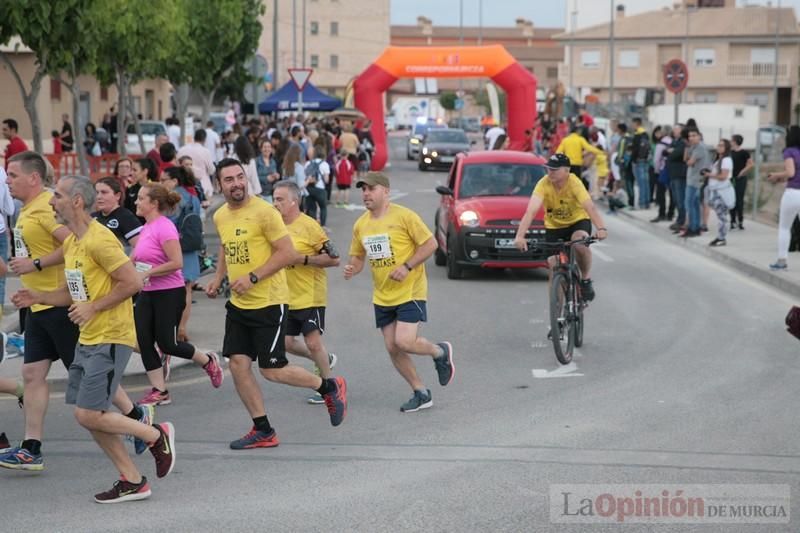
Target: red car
(480, 209)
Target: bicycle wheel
(578, 323)
(560, 323)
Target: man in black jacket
(677, 174)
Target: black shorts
(343, 187)
(258, 333)
(305, 321)
(412, 312)
(50, 334)
(565, 234)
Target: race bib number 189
(377, 246)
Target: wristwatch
(253, 278)
(38, 264)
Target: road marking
(602, 255)
(538, 345)
(536, 321)
(425, 190)
(566, 371)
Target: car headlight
(414, 140)
(469, 218)
(424, 149)
(434, 154)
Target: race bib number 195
(377, 246)
(75, 284)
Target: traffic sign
(676, 76)
(459, 104)
(300, 77)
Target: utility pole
(573, 16)
(611, 60)
(274, 44)
(294, 33)
(461, 80)
(304, 34)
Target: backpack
(641, 146)
(313, 170)
(190, 225)
(624, 151)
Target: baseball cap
(558, 161)
(372, 179)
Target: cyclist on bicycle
(568, 215)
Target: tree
(135, 44)
(448, 100)
(46, 28)
(482, 99)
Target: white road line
(425, 190)
(566, 371)
(602, 255)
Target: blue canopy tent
(285, 99)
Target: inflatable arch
(446, 62)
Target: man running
(256, 247)
(397, 243)
(307, 280)
(100, 281)
(569, 215)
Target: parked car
(440, 146)
(468, 124)
(150, 130)
(415, 136)
(480, 209)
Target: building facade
(336, 38)
(730, 52)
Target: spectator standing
(640, 160)
(790, 201)
(662, 176)
(349, 140)
(67, 140)
(345, 168)
(144, 171)
(243, 152)
(292, 169)
(213, 142)
(91, 143)
(742, 163)
(154, 154)
(318, 174)
(174, 132)
(15, 144)
(202, 161)
(676, 166)
(267, 169)
(721, 194)
(696, 160)
(57, 147)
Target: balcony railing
(756, 71)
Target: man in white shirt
(213, 142)
(318, 174)
(492, 135)
(174, 132)
(202, 161)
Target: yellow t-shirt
(88, 264)
(602, 165)
(308, 284)
(246, 234)
(387, 243)
(33, 237)
(573, 146)
(562, 208)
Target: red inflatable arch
(446, 62)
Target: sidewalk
(749, 251)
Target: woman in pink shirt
(159, 307)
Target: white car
(150, 130)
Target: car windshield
(445, 136)
(420, 129)
(503, 179)
(148, 128)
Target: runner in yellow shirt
(569, 214)
(100, 281)
(397, 243)
(307, 281)
(256, 247)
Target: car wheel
(422, 167)
(454, 271)
(439, 257)
(408, 155)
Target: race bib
(143, 267)
(377, 246)
(75, 284)
(20, 250)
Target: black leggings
(741, 186)
(157, 315)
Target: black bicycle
(566, 301)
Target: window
(590, 58)
(334, 28)
(104, 94)
(314, 28)
(552, 72)
(705, 98)
(55, 89)
(314, 61)
(704, 57)
(334, 62)
(762, 55)
(759, 99)
(629, 58)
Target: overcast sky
(543, 13)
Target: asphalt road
(686, 377)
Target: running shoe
(316, 399)
(256, 439)
(336, 400)
(420, 400)
(163, 449)
(21, 459)
(124, 491)
(444, 364)
(148, 417)
(587, 290)
(214, 370)
(155, 397)
(778, 265)
(332, 360)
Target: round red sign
(676, 76)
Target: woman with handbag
(721, 196)
(790, 201)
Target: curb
(761, 274)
